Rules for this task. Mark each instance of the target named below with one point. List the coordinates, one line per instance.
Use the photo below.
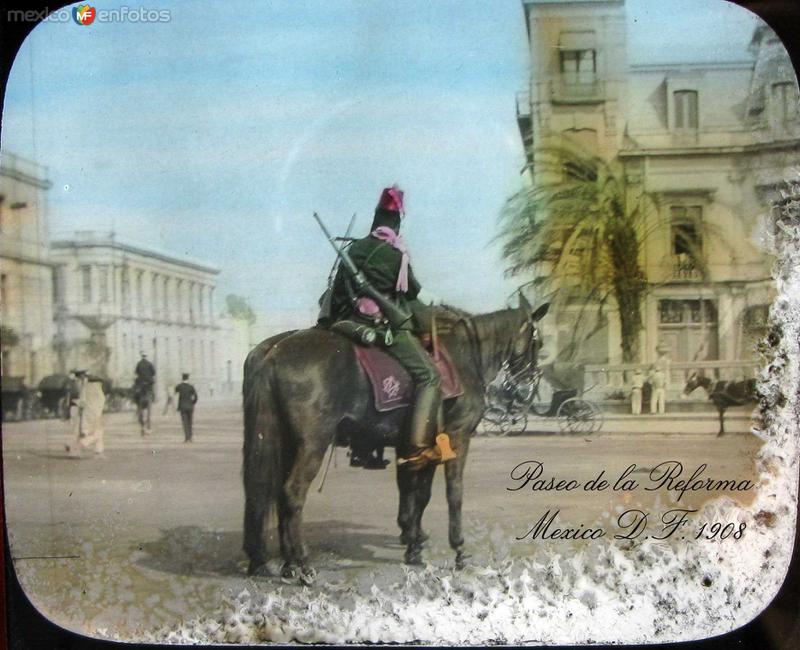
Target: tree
(581, 233)
(239, 308)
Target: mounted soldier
(144, 392)
(382, 259)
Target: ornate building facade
(115, 300)
(711, 143)
(26, 297)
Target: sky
(216, 134)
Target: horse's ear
(541, 312)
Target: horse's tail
(265, 454)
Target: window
(783, 100)
(687, 240)
(102, 276)
(165, 298)
(126, 290)
(578, 66)
(689, 328)
(139, 293)
(153, 295)
(191, 302)
(685, 102)
(86, 281)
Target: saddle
(392, 387)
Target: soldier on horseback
(382, 258)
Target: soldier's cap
(78, 372)
(392, 199)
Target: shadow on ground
(194, 551)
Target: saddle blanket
(391, 383)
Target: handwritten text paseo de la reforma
(633, 523)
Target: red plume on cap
(392, 199)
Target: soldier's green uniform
(380, 263)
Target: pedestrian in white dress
(86, 414)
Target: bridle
(515, 364)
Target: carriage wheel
(496, 422)
(500, 422)
(576, 415)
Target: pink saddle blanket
(391, 383)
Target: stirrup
(421, 458)
(445, 450)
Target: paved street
(151, 535)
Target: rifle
(326, 299)
(393, 313)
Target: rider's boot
(425, 446)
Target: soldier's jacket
(380, 264)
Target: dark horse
(723, 393)
(302, 389)
(143, 397)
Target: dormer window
(685, 110)
(783, 102)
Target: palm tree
(580, 231)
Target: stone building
(26, 295)
(115, 300)
(711, 143)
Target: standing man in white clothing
(87, 401)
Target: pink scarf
(367, 305)
(384, 233)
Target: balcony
(523, 100)
(684, 268)
(563, 91)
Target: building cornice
(17, 175)
(710, 150)
(111, 244)
(692, 66)
(26, 259)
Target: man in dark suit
(187, 397)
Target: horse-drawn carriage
(52, 397)
(16, 398)
(554, 390)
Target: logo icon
(84, 14)
(391, 387)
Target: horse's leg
(406, 503)
(305, 467)
(255, 512)
(454, 481)
(721, 410)
(420, 494)
(405, 509)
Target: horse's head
(528, 340)
(696, 379)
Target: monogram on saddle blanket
(391, 384)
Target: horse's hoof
(289, 571)
(413, 557)
(461, 560)
(307, 575)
